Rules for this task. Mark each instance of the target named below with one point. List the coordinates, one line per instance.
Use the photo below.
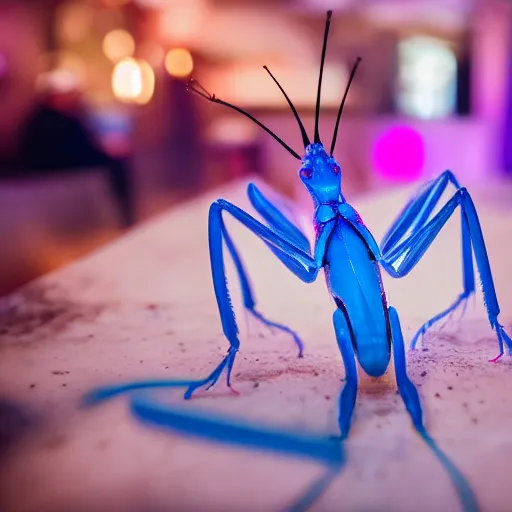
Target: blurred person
(54, 137)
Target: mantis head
(320, 172)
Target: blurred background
(98, 133)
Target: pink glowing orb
(399, 154)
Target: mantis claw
(503, 339)
(211, 380)
(496, 359)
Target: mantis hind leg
(412, 403)
(347, 402)
(411, 219)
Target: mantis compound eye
(306, 172)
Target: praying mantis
(367, 329)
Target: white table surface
(143, 307)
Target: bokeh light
(118, 44)
(427, 77)
(127, 80)
(148, 83)
(133, 81)
(399, 154)
(179, 63)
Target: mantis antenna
(352, 74)
(196, 87)
(305, 138)
(324, 48)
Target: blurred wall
(459, 144)
(22, 41)
(491, 23)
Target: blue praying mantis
(367, 329)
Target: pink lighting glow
(399, 154)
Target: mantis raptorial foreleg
(281, 225)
